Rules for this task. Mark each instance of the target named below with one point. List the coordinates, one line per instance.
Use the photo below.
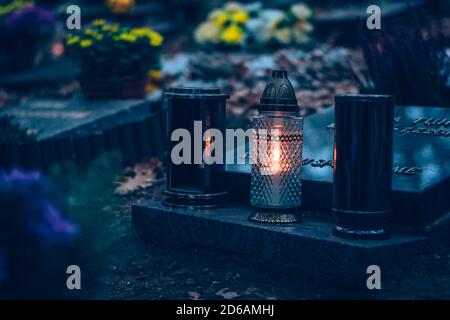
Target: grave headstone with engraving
(421, 172)
(421, 186)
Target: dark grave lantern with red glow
(194, 184)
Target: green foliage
(11, 132)
(90, 201)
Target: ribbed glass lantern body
(276, 161)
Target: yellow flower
(140, 32)
(219, 17)
(155, 74)
(85, 43)
(155, 38)
(13, 5)
(240, 17)
(127, 37)
(89, 32)
(151, 87)
(98, 22)
(72, 40)
(111, 28)
(232, 35)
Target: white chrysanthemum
(207, 32)
(283, 35)
(215, 14)
(301, 11)
(233, 7)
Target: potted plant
(29, 30)
(114, 60)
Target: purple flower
(31, 20)
(50, 225)
(30, 223)
(21, 179)
(25, 196)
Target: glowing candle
(275, 189)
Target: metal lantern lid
(278, 95)
(195, 93)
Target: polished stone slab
(54, 118)
(52, 73)
(421, 173)
(308, 245)
(79, 130)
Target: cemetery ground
(117, 264)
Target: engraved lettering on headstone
(321, 163)
(406, 171)
(418, 120)
(429, 121)
(432, 121)
(425, 131)
(441, 122)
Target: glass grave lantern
(193, 111)
(276, 155)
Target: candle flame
(276, 156)
(208, 141)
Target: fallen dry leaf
(142, 175)
(224, 293)
(194, 295)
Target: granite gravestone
(421, 172)
(75, 129)
(54, 118)
(53, 73)
(420, 189)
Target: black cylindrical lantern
(195, 124)
(363, 165)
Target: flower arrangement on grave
(290, 28)
(33, 231)
(225, 27)
(114, 60)
(120, 6)
(255, 27)
(29, 29)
